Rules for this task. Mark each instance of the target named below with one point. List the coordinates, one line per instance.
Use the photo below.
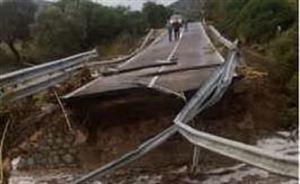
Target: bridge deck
(192, 51)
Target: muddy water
(119, 124)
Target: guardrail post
(196, 156)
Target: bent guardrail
(275, 163)
(203, 93)
(208, 94)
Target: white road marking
(143, 51)
(120, 66)
(155, 78)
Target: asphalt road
(192, 51)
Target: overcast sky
(133, 4)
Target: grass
(123, 45)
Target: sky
(133, 4)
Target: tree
(57, 32)
(155, 15)
(15, 18)
(259, 20)
(68, 26)
(252, 20)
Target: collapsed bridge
(186, 65)
(190, 69)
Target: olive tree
(15, 19)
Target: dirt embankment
(29, 115)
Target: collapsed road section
(185, 64)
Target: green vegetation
(272, 26)
(189, 8)
(15, 17)
(156, 15)
(34, 34)
(253, 21)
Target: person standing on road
(176, 27)
(170, 30)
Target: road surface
(192, 51)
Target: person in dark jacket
(176, 28)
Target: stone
(66, 145)
(34, 145)
(56, 160)
(50, 141)
(58, 140)
(69, 138)
(58, 134)
(49, 161)
(72, 151)
(37, 157)
(22, 163)
(30, 161)
(62, 152)
(53, 153)
(80, 138)
(55, 146)
(68, 158)
(43, 161)
(45, 148)
(50, 135)
(43, 142)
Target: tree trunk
(14, 51)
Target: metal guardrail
(25, 82)
(39, 86)
(220, 38)
(227, 43)
(20, 76)
(125, 57)
(276, 163)
(208, 94)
